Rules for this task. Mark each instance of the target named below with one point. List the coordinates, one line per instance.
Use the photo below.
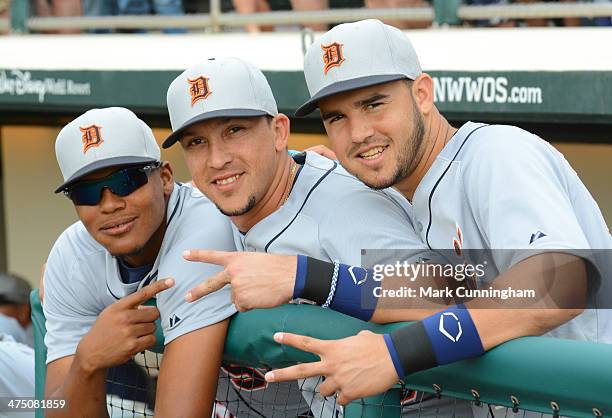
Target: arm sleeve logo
(443, 329)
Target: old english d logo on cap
(199, 89)
(332, 56)
(92, 136)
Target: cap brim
(98, 165)
(342, 86)
(222, 113)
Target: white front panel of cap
(356, 50)
(100, 135)
(214, 85)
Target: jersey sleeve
(518, 190)
(369, 220)
(67, 319)
(179, 317)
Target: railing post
(215, 13)
(446, 12)
(20, 11)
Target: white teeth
(228, 180)
(372, 153)
(118, 225)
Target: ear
(167, 178)
(423, 93)
(25, 313)
(282, 127)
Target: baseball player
(15, 312)
(134, 223)
(224, 116)
(495, 188)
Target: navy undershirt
(133, 274)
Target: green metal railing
(537, 374)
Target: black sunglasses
(122, 183)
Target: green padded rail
(576, 375)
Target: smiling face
(377, 132)
(132, 226)
(233, 161)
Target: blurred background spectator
(4, 8)
(380, 4)
(15, 312)
(133, 7)
(257, 6)
(58, 8)
(4, 12)
(307, 5)
(568, 21)
(62, 8)
(253, 6)
(496, 22)
(536, 22)
(603, 21)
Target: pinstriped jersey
(505, 191)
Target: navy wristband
(413, 349)
(444, 337)
(453, 335)
(354, 294)
(394, 356)
(300, 276)
(317, 281)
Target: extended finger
(146, 293)
(301, 342)
(208, 256)
(299, 371)
(212, 284)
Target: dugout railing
(443, 12)
(547, 376)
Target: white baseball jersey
(82, 278)
(497, 187)
(329, 215)
(16, 375)
(10, 326)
